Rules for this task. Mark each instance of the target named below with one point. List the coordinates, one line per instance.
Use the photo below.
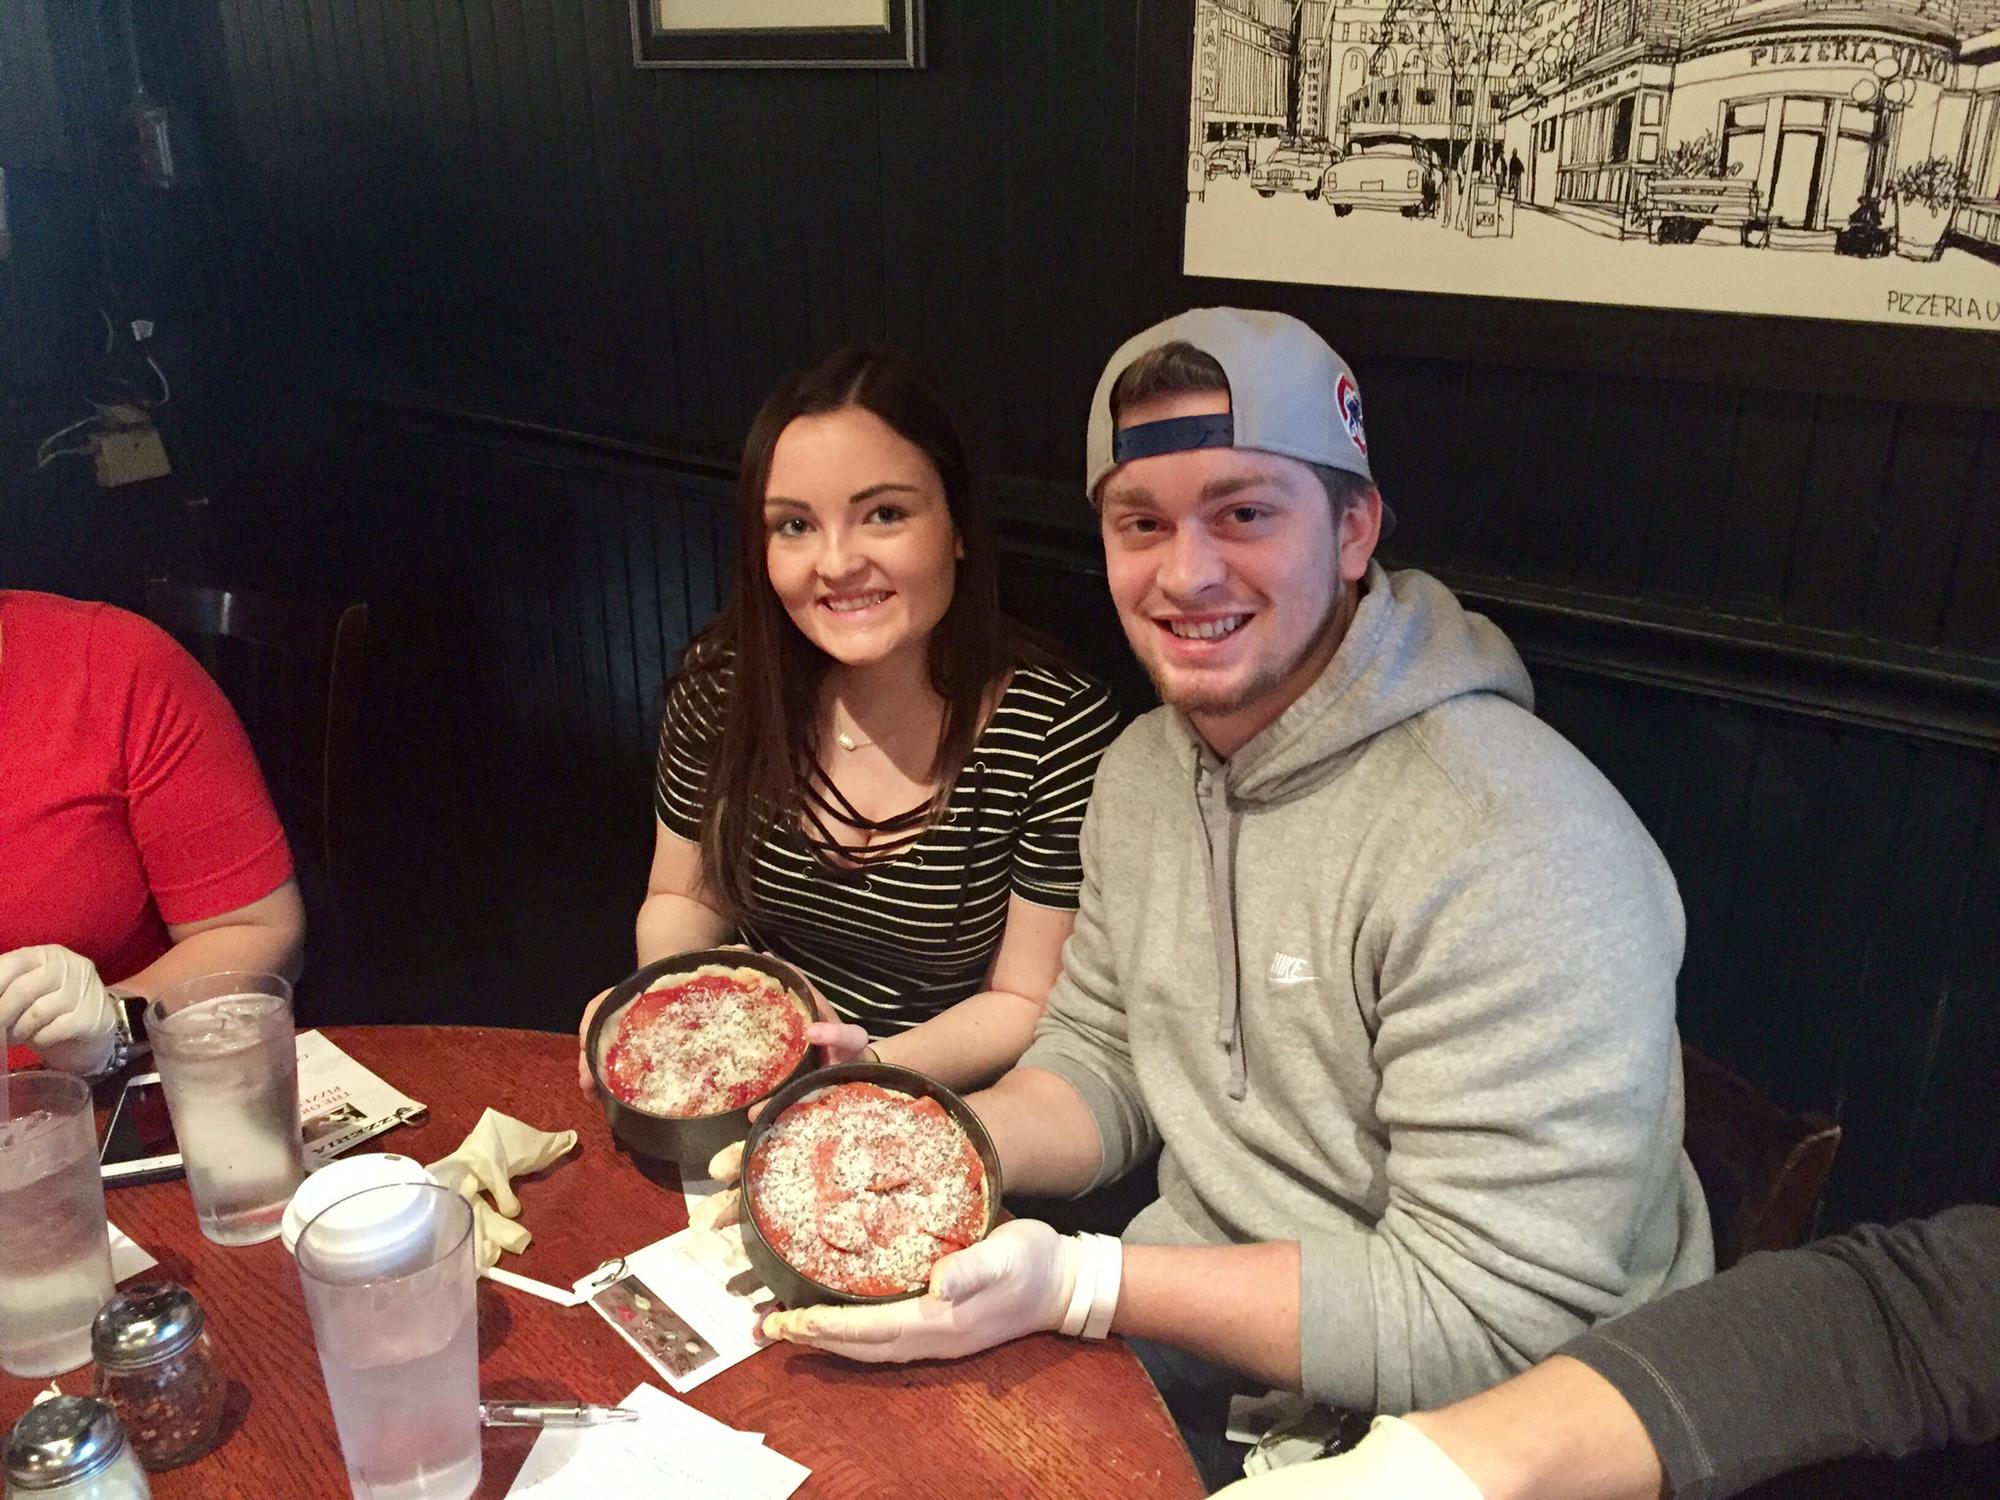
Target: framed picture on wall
(1577, 151)
(777, 33)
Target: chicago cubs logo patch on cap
(1349, 400)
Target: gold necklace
(847, 739)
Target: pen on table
(551, 1414)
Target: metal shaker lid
(63, 1439)
(146, 1322)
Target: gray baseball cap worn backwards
(1289, 394)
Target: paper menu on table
(671, 1450)
(341, 1103)
(689, 1303)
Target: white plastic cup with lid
(390, 1282)
(343, 1179)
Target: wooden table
(1043, 1416)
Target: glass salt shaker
(71, 1448)
(156, 1368)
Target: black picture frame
(898, 44)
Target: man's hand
(1394, 1462)
(53, 999)
(1016, 1281)
(722, 1209)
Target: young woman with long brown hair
(865, 768)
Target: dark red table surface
(1043, 1416)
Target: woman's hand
(840, 1041)
(583, 1079)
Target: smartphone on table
(139, 1144)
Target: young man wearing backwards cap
(1384, 965)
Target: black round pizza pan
(690, 1140)
(793, 1287)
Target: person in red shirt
(140, 844)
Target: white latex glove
(721, 1209)
(1394, 1462)
(52, 999)
(499, 1149)
(1016, 1281)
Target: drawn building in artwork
(1310, 30)
(1440, 74)
(1554, 41)
(1978, 221)
(1244, 78)
(1784, 122)
(1339, 72)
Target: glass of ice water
(223, 1044)
(390, 1281)
(55, 1257)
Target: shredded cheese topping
(863, 1189)
(705, 1043)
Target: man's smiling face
(1227, 569)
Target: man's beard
(1216, 700)
(1203, 698)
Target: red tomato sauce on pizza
(705, 1043)
(864, 1189)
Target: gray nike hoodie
(1396, 981)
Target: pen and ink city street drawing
(1812, 158)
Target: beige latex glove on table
(54, 1000)
(1394, 1462)
(499, 1149)
(725, 1207)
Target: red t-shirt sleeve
(207, 833)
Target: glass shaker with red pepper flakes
(156, 1368)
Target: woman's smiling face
(859, 541)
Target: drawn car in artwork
(1398, 174)
(1230, 159)
(1295, 167)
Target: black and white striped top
(896, 943)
